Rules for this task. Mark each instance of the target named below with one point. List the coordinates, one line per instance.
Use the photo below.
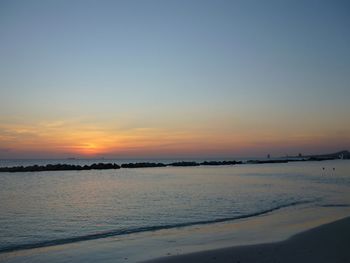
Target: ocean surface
(39, 209)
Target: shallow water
(46, 208)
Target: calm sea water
(45, 208)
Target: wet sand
(327, 243)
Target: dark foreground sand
(328, 243)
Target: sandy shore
(328, 243)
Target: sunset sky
(164, 79)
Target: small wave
(122, 232)
(336, 205)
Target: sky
(165, 79)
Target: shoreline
(163, 245)
(325, 243)
(327, 196)
(118, 233)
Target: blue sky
(254, 76)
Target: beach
(176, 213)
(283, 235)
(326, 243)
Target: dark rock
(142, 165)
(184, 164)
(59, 167)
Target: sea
(55, 208)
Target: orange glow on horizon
(86, 149)
(87, 140)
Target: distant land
(104, 166)
(338, 155)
